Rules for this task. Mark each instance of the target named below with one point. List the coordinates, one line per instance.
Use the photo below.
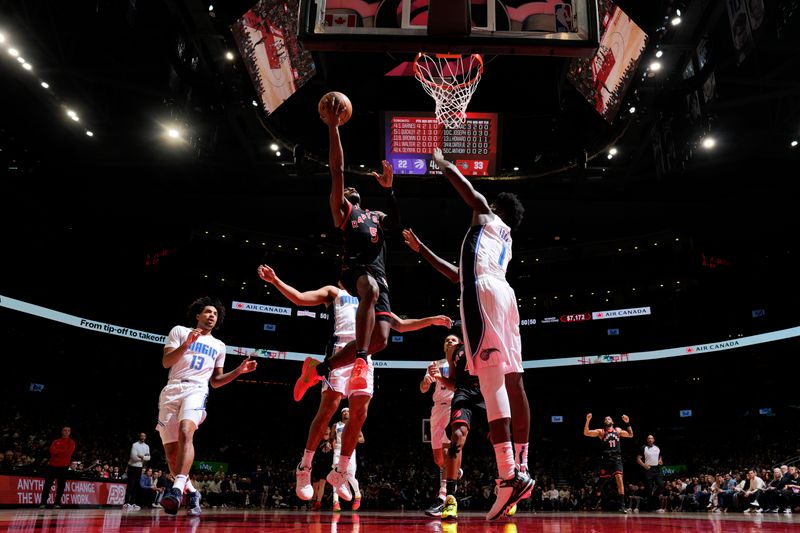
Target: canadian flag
(337, 20)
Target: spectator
(61, 451)
(148, 489)
(791, 490)
(754, 490)
(140, 454)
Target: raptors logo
(487, 353)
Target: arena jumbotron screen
(411, 137)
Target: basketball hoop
(451, 80)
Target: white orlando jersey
(344, 317)
(338, 428)
(486, 251)
(442, 394)
(199, 360)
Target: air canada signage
(621, 313)
(24, 490)
(261, 308)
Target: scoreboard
(411, 137)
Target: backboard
(566, 28)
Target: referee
(649, 459)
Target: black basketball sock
(452, 487)
(361, 354)
(323, 369)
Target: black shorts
(465, 407)
(610, 465)
(349, 280)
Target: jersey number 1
(197, 362)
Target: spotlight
(632, 109)
(2, 38)
(27, 66)
(75, 118)
(516, 169)
(676, 21)
(678, 12)
(173, 133)
(13, 51)
(793, 144)
(229, 56)
(89, 133)
(610, 156)
(45, 85)
(278, 153)
(274, 147)
(659, 53)
(655, 66)
(362, 166)
(71, 113)
(211, 7)
(709, 143)
(613, 151)
(255, 104)
(21, 59)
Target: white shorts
(440, 418)
(490, 324)
(340, 380)
(180, 401)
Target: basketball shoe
(356, 503)
(358, 377)
(435, 510)
(172, 500)
(303, 488)
(194, 503)
(450, 509)
(308, 378)
(337, 508)
(509, 492)
(338, 481)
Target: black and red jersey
(611, 442)
(463, 379)
(364, 244)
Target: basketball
(348, 107)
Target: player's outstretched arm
(218, 379)
(322, 296)
(413, 324)
(628, 431)
(448, 270)
(391, 219)
(475, 200)
(338, 202)
(590, 432)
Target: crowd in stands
(721, 480)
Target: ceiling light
(211, 7)
(613, 151)
(655, 66)
(13, 51)
(709, 143)
(27, 66)
(278, 153)
(2, 38)
(678, 12)
(45, 85)
(274, 147)
(174, 134)
(71, 113)
(362, 166)
(516, 169)
(632, 109)
(659, 53)
(89, 133)
(676, 21)
(255, 104)
(610, 156)
(229, 56)
(21, 59)
(793, 144)
(74, 117)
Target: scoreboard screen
(411, 138)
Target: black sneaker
(435, 510)
(509, 492)
(172, 501)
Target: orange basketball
(324, 103)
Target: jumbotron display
(411, 137)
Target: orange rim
(467, 83)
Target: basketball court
(377, 522)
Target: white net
(451, 81)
